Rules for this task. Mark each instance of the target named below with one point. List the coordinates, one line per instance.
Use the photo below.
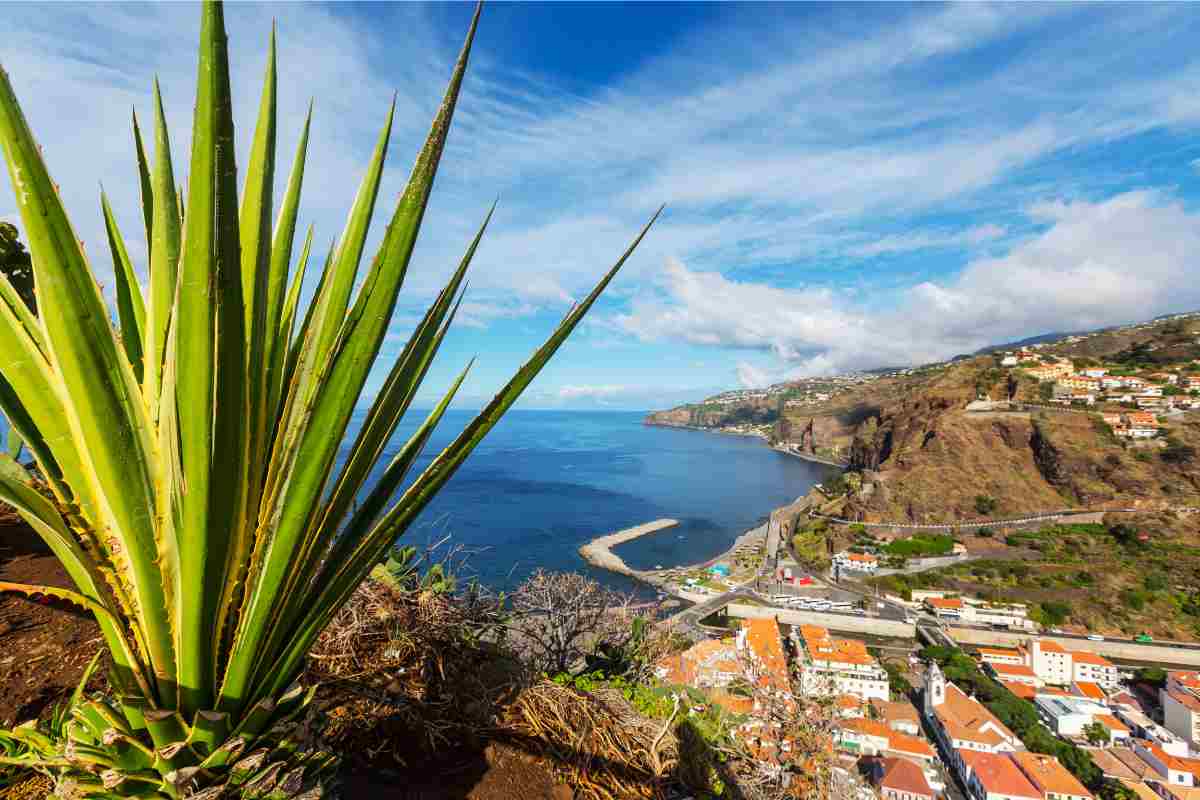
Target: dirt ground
(45, 646)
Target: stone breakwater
(598, 552)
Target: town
(1034, 720)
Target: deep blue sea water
(545, 482)
(542, 483)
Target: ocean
(545, 482)
(542, 483)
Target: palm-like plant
(188, 456)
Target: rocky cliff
(924, 457)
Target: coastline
(809, 457)
(598, 553)
(703, 430)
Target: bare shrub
(561, 617)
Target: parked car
(1095, 637)
(1143, 637)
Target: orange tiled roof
(905, 777)
(1091, 691)
(1088, 657)
(1052, 647)
(1184, 698)
(1013, 669)
(1140, 789)
(965, 719)
(1111, 722)
(1188, 678)
(895, 710)
(1191, 765)
(1048, 775)
(762, 636)
(1021, 690)
(999, 651)
(999, 774)
(869, 727)
(911, 745)
(945, 602)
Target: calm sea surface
(544, 482)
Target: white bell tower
(935, 688)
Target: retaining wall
(1131, 651)
(835, 622)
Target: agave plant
(187, 453)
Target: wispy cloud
(1097, 264)
(844, 185)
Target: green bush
(1055, 612)
(921, 546)
(985, 504)
(1155, 582)
(1133, 599)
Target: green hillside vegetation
(921, 546)
(1131, 574)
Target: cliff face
(675, 417)
(923, 457)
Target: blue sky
(847, 186)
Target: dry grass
(407, 675)
(604, 749)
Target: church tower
(935, 688)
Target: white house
(856, 562)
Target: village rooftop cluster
(915, 749)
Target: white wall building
(1068, 716)
(856, 562)
(1051, 662)
(838, 666)
(1180, 700)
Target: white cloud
(751, 377)
(928, 240)
(1097, 264)
(571, 392)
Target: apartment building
(1051, 662)
(1180, 699)
(838, 666)
(1088, 667)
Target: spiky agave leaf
(190, 453)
